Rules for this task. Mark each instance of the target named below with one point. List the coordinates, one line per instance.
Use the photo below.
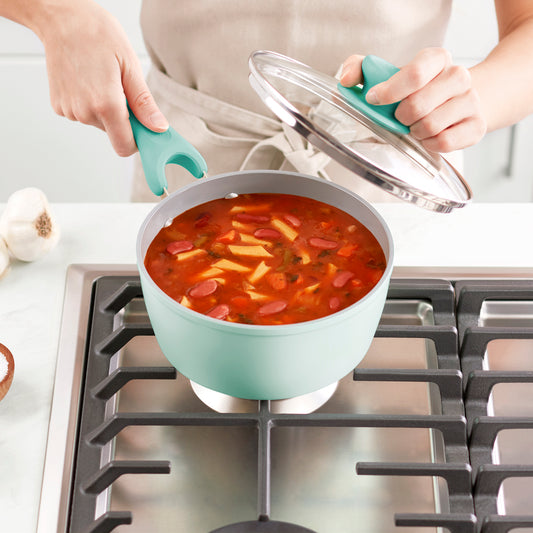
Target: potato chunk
(260, 270)
(248, 251)
(184, 256)
(287, 231)
(226, 264)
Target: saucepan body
(257, 361)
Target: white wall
(73, 162)
(67, 160)
(500, 167)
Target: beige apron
(200, 48)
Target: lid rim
(376, 175)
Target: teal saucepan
(263, 362)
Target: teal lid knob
(375, 70)
(158, 149)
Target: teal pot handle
(158, 149)
(375, 70)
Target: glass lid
(339, 123)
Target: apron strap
(296, 150)
(275, 134)
(209, 108)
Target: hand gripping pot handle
(158, 149)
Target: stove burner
(304, 404)
(466, 470)
(259, 526)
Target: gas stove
(433, 430)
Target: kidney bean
(247, 217)
(341, 278)
(179, 246)
(322, 244)
(220, 311)
(202, 220)
(272, 308)
(204, 288)
(267, 233)
(334, 303)
(292, 220)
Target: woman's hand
(437, 100)
(92, 70)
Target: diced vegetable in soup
(267, 259)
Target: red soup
(265, 259)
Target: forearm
(504, 80)
(36, 15)
(21, 11)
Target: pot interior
(263, 181)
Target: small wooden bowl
(6, 380)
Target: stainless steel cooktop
(434, 429)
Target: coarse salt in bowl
(7, 368)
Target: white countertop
(31, 295)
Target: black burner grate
(468, 432)
(479, 383)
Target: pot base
(304, 404)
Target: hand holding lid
(356, 134)
(375, 70)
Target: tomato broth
(266, 259)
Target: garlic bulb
(4, 258)
(27, 225)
